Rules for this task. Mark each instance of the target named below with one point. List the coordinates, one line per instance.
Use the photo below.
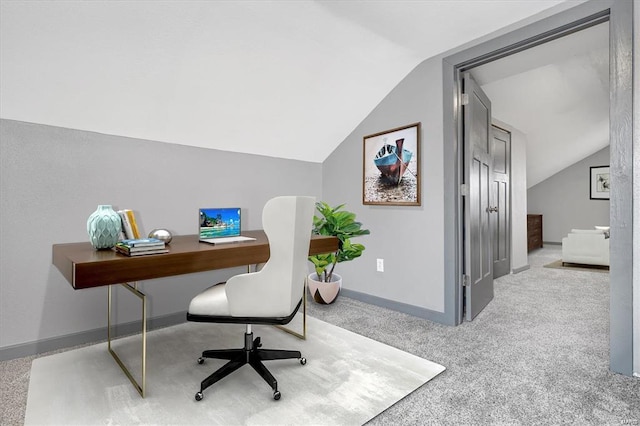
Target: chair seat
(243, 320)
(212, 301)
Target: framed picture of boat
(391, 167)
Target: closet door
(500, 202)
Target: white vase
(322, 292)
(104, 227)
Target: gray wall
(52, 179)
(409, 239)
(563, 200)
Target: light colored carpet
(576, 267)
(348, 379)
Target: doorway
(620, 17)
(555, 96)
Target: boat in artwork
(391, 164)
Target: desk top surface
(85, 267)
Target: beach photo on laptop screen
(219, 222)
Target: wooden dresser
(534, 231)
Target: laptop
(221, 225)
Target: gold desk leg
(133, 289)
(302, 336)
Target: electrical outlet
(380, 265)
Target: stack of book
(141, 246)
(130, 228)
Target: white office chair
(271, 296)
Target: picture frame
(387, 178)
(599, 183)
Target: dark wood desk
(85, 267)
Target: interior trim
(405, 308)
(96, 335)
(520, 269)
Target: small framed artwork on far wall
(599, 183)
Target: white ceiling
(287, 79)
(558, 95)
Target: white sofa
(586, 246)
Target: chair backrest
(277, 288)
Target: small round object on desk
(162, 235)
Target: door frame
(619, 14)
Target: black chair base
(251, 354)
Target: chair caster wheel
(201, 361)
(199, 396)
(276, 395)
(303, 361)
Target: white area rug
(348, 380)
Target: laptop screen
(219, 222)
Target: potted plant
(324, 284)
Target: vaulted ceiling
(287, 79)
(558, 95)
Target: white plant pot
(321, 292)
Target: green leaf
(341, 224)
